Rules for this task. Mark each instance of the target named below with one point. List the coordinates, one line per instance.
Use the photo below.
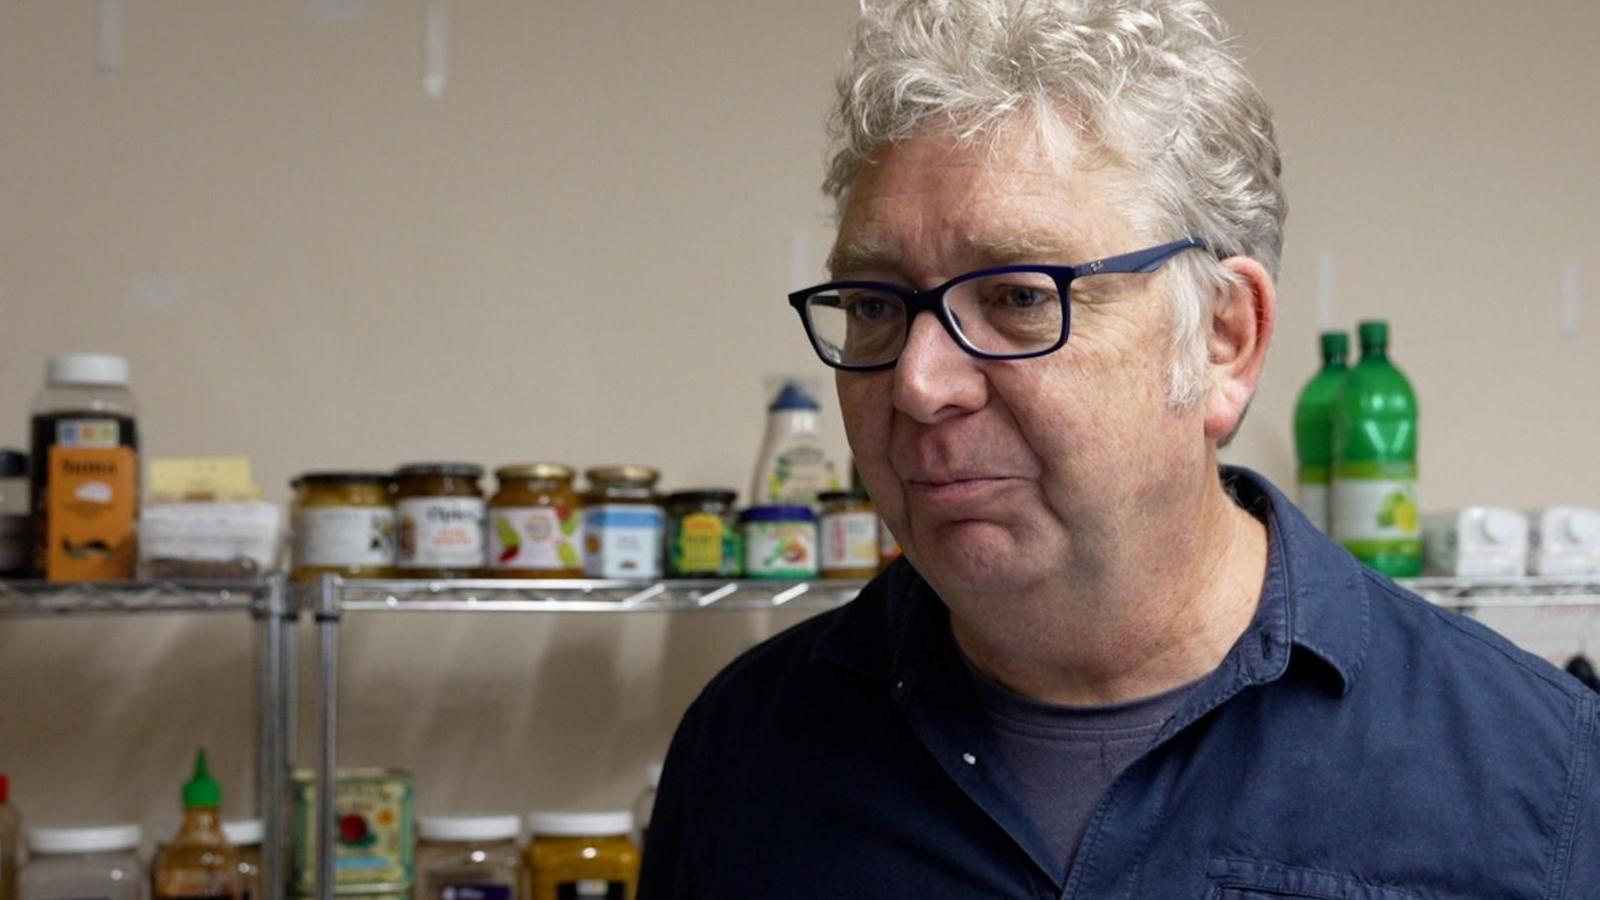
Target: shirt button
(969, 759)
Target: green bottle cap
(201, 790)
(1335, 345)
(1374, 335)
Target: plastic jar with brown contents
(849, 536)
(624, 526)
(581, 856)
(535, 523)
(343, 524)
(440, 509)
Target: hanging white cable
(108, 42)
(435, 26)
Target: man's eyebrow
(863, 253)
(859, 254)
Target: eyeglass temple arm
(1143, 260)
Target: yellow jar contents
(581, 856)
(343, 525)
(535, 523)
(849, 536)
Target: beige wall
(578, 252)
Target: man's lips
(946, 491)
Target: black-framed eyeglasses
(1005, 312)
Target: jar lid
(542, 471)
(704, 495)
(13, 463)
(489, 827)
(87, 369)
(338, 477)
(842, 497)
(440, 470)
(100, 839)
(628, 474)
(580, 824)
(778, 514)
(243, 833)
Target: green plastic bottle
(1374, 497)
(1314, 416)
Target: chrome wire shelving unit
(266, 600)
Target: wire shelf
(42, 598)
(588, 596)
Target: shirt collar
(1312, 599)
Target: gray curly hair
(1154, 84)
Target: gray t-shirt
(1065, 757)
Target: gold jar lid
(539, 471)
(640, 475)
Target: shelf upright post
(271, 610)
(328, 610)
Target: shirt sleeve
(1583, 858)
(669, 867)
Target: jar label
(344, 536)
(452, 891)
(90, 507)
(702, 545)
(592, 889)
(780, 549)
(849, 541)
(535, 538)
(623, 541)
(441, 532)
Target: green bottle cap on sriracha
(201, 790)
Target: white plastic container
(1565, 541)
(73, 863)
(792, 468)
(1477, 542)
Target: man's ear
(1238, 332)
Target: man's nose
(935, 379)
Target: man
(1103, 669)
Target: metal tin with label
(375, 845)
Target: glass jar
(245, 836)
(580, 856)
(535, 523)
(440, 510)
(703, 535)
(16, 532)
(779, 542)
(85, 444)
(623, 524)
(343, 524)
(848, 535)
(468, 858)
(73, 863)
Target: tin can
(375, 845)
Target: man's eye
(870, 309)
(1017, 296)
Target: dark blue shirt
(1356, 743)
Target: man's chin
(972, 554)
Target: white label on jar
(1314, 503)
(343, 536)
(849, 541)
(780, 549)
(623, 541)
(534, 539)
(441, 532)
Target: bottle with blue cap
(792, 468)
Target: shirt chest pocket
(1241, 879)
